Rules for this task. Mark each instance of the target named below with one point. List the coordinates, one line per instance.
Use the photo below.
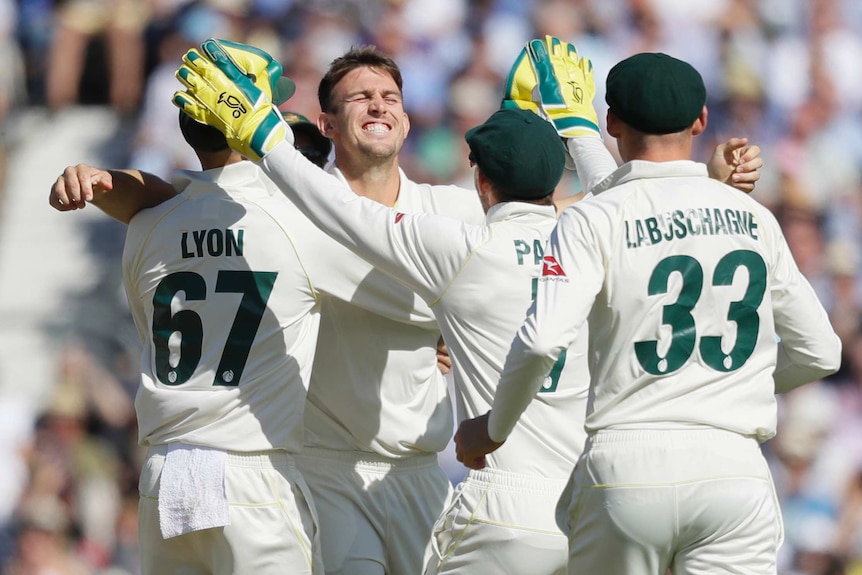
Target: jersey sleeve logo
(398, 216)
(551, 267)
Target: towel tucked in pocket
(192, 490)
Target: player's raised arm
(550, 79)
(119, 193)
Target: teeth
(376, 128)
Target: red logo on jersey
(551, 267)
(398, 216)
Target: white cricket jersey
(687, 284)
(479, 280)
(375, 385)
(222, 281)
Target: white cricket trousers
(273, 527)
(501, 523)
(375, 513)
(695, 501)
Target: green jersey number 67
(255, 288)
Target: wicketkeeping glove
(561, 87)
(264, 70)
(220, 94)
(521, 85)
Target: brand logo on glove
(232, 102)
(577, 92)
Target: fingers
(77, 186)
(750, 155)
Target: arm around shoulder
(133, 191)
(119, 193)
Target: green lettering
(183, 246)
(215, 242)
(706, 221)
(752, 226)
(689, 220)
(234, 242)
(653, 231)
(732, 221)
(639, 229)
(679, 221)
(667, 223)
(720, 226)
(538, 252)
(199, 237)
(522, 249)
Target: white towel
(192, 490)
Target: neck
(380, 182)
(657, 148)
(210, 160)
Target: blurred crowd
(784, 73)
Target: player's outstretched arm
(736, 163)
(119, 193)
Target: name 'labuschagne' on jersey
(679, 224)
(200, 243)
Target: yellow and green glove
(550, 79)
(264, 70)
(221, 94)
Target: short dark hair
(503, 197)
(201, 137)
(361, 57)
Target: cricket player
(502, 519)
(308, 139)
(227, 313)
(697, 315)
(377, 410)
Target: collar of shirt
(509, 210)
(641, 169)
(244, 175)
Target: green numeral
(743, 312)
(553, 380)
(678, 314)
(255, 288)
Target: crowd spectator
(783, 72)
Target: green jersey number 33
(678, 315)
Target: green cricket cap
(520, 153)
(299, 123)
(655, 93)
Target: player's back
(682, 331)
(226, 313)
(480, 313)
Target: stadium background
(90, 81)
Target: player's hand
(560, 89)
(472, 442)
(444, 360)
(264, 70)
(220, 94)
(77, 186)
(736, 163)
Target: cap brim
(284, 89)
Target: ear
(613, 125)
(483, 184)
(325, 124)
(406, 125)
(699, 125)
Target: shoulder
(452, 201)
